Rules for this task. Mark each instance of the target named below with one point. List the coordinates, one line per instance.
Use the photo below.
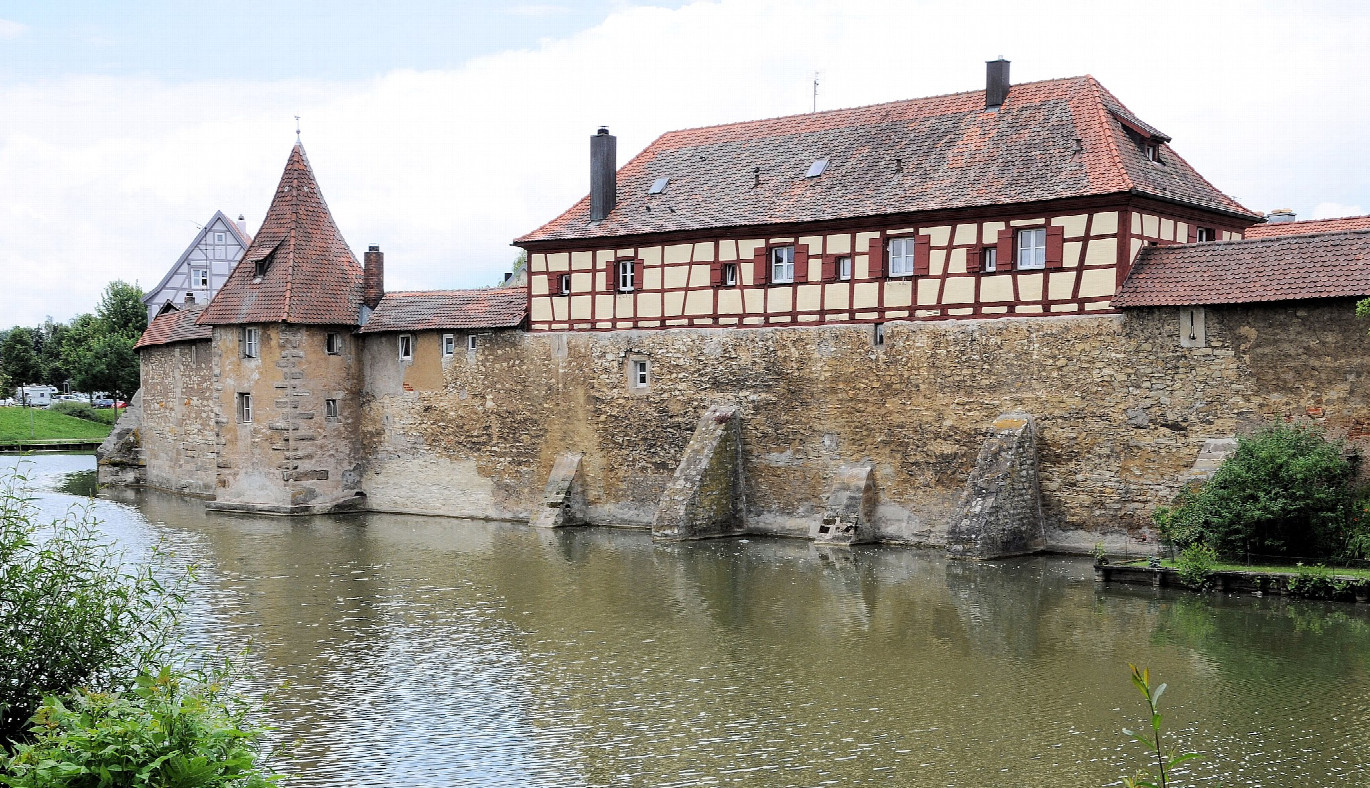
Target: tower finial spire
(297, 128)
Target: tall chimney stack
(242, 224)
(373, 277)
(603, 174)
(996, 83)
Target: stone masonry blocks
(1000, 511)
(564, 497)
(704, 499)
(850, 512)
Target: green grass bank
(15, 426)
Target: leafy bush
(1283, 492)
(174, 729)
(1316, 581)
(70, 614)
(1196, 565)
(78, 410)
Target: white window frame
(244, 408)
(470, 343)
(406, 347)
(330, 409)
(782, 265)
(1205, 231)
(627, 280)
(219, 238)
(199, 278)
(251, 342)
(844, 268)
(878, 335)
(449, 345)
(989, 259)
(563, 284)
(1030, 244)
(332, 344)
(901, 256)
(730, 274)
(641, 373)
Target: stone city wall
(176, 433)
(1121, 407)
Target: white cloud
(1334, 210)
(105, 177)
(9, 29)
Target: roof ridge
(858, 107)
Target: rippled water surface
(426, 651)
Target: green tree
(97, 350)
(19, 361)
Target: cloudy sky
(442, 130)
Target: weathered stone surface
(1000, 512)
(1211, 456)
(850, 511)
(704, 499)
(119, 458)
(563, 500)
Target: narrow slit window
(471, 342)
(989, 259)
(244, 408)
(564, 284)
(844, 268)
(406, 347)
(730, 274)
(640, 373)
(251, 341)
(449, 344)
(878, 335)
(330, 409)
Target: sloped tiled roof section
(1050, 140)
(1272, 229)
(432, 310)
(311, 277)
(176, 325)
(1283, 268)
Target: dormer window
(1204, 234)
(1152, 151)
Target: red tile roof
(1272, 229)
(1282, 268)
(503, 307)
(312, 276)
(906, 156)
(175, 325)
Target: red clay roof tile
(503, 307)
(176, 325)
(907, 156)
(312, 276)
(1281, 268)
(1272, 229)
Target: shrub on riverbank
(1285, 491)
(85, 695)
(174, 728)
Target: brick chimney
(996, 83)
(373, 280)
(603, 174)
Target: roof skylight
(658, 185)
(816, 169)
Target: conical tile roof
(298, 268)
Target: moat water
(421, 651)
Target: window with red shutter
(761, 265)
(715, 274)
(1003, 250)
(877, 254)
(801, 262)
(973, 261)
(922, 255)
(639, 268)
(1056, 240)
(829, 268)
